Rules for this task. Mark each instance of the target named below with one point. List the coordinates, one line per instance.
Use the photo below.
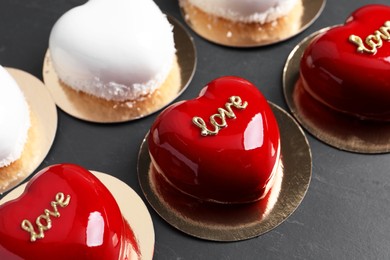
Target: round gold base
(221, 222)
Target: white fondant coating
(246, 11)
(14, 119)
(114, 49)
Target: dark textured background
(346, 212)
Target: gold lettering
(44, 222)
(221, 116)
(385, 30)
(60, 200)
(198, 121)
(373, 41)
(27, 226)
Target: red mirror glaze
(91, 226)
(335, 73)
(233, 166)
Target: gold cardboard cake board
(43, 116)
(131, 205)
(235, 34)
(333, 128)
(93, 109)
(221, 222)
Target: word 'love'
(374, 41)
(222, 114)
(43, 221)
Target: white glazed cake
(246, 11)
(14, 119)
(113, 49)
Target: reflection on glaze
(231, 167)
(254, 135)
(95, 229)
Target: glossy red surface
(336, 74)
(233, 166)
(89, 227)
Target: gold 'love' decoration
(374, 41)
(222, 114)
(43, 221)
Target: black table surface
(346, 212)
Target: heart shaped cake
(14, 119)
(113, 49)
(223, 146)
(65, 212)
(347, 67)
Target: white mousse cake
(14, 119)
(113, 49)
(246, 11)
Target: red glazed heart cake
(223, 146)
(65, 212)
(347, 67)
